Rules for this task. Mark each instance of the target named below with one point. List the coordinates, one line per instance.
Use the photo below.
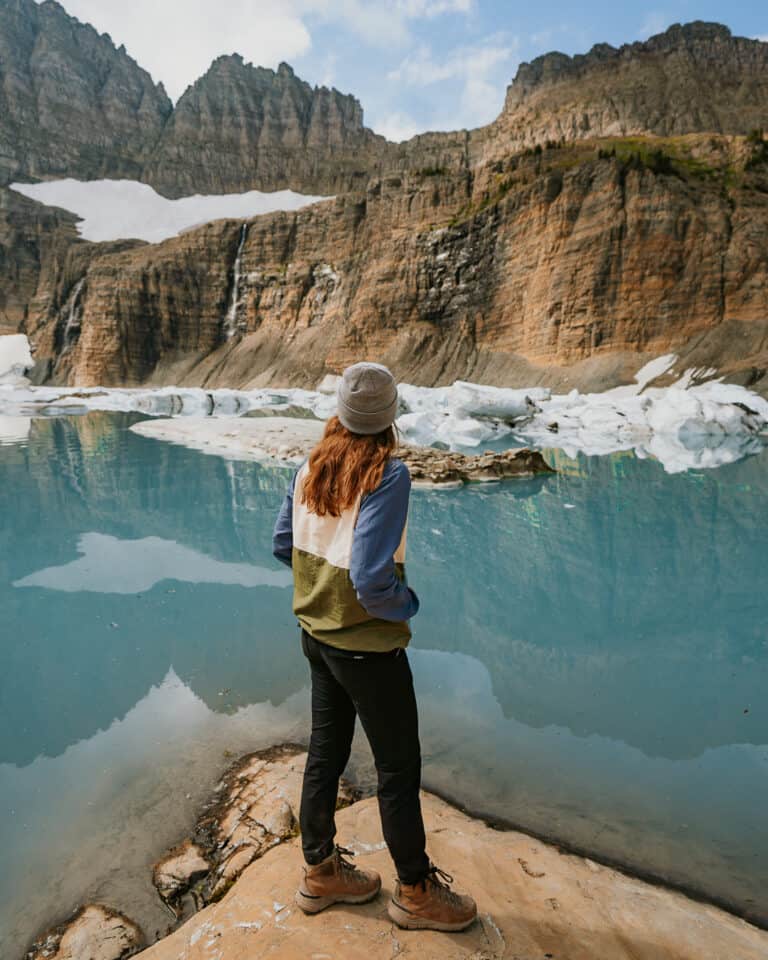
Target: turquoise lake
(591, 659)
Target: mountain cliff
(570, 267)
(695, 78)
(241, 126)
(71, 104)
(616, 209)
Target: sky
(415, 65)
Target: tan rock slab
(535, 903)
(254, 808)
(95, 932)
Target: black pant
(377, 687)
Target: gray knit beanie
(366, 399)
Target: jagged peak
(56, 8)
(555, 65)
(283, 76)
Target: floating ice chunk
(419, 399)
(505, 404)
(419, 428)
(683, 428)
(468, 432)
(329, 384)
(473, 400)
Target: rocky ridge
(254, 808)
(240, 127)
(570, 267)
(71, 103)
(692, 78)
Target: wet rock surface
(254, 808)
(429, 466)
(94, 932)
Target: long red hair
(343, 466)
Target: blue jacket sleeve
(377, 535)
(282, 536)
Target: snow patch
(127, 209)
(645, 375)
(15, 359)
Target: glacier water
(591, 660)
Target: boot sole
(311, 904)
(410, 921)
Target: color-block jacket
(349, 571)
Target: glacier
(130, 210)
(687, 425)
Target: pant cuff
(313, 857)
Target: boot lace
(440, 881)
(344, 865)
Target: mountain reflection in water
(591, 653)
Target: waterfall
(230, 323)
(72, 326)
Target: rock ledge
(289, 440)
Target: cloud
(176, 40)
(422, 68)
(476, 67)
(762, 37)
(328, 70)
(397, 127)
(655, 22)
(433, 8)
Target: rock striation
(241, 126)
(71, 103)
(571, 268)
(254, 808)
(693, 78)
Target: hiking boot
(430, 904)
(336, 880)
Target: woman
(342, 529)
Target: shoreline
(554, 887)
(289, 440)
(504, 825)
